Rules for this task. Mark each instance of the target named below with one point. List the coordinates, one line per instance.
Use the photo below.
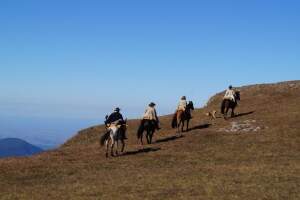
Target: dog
(212, 114)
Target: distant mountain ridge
(10, 147)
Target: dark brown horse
(181, 116)
(229, 104)
(149, 126)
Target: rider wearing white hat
(151, 114)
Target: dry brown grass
(204, 164)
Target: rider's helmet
(117, 109)
(230, 87)
(152, 104)
(183, 98)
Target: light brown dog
(212, 114)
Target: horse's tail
(223, 106)
(140, 131)
(104, 138)
(174, 121)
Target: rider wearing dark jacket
(115, 117)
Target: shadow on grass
(167, 139)
(243, 114)
(202, 126)
(141, 151)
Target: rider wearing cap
(182, 104)
(229, 94)
(115, 118)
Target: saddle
(113, 125)
(118, 124)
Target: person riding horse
(182, 105)
(115, 118)
(182, 113)
(230, 94)
(151, 116)
(149, 124)
(230, 101)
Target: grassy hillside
(255, 155)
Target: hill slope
(255, 155)
(17, 147)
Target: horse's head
(190, 105)
(105, 121)
(237, 95)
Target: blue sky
(79, 59)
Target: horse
(115, 133)
(229, 104)
(149, 126)
(181, 116)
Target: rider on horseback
(151, 115)
(182, 113)
(182, 104)
(230, 94)
(115, 118)
(230, 101)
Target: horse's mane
(237, 95)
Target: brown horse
(181, 116)
(229, 104)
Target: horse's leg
(117, 147)
(178, 122)
(178, 125)
(148, 136)
(223, 107)
(226, 110)
(182, 126)
(187, 125)
(123, 145)
(151, 136)
(112, 147)
(106, 147)
(232, 112)
(142, 139)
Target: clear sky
(80, 58)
